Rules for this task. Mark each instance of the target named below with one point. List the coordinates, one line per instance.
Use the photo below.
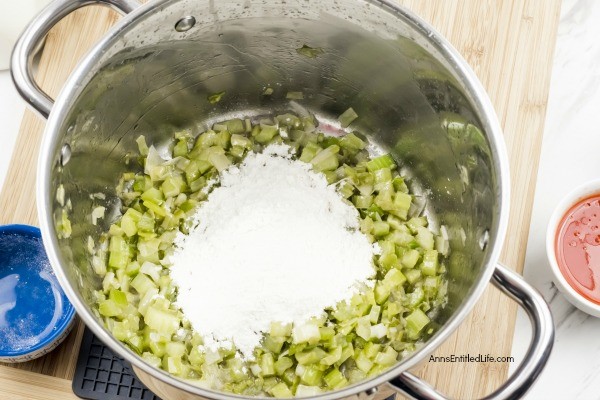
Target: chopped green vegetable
(347, 117)
(350, 342)
(309, 52)
(215, 97)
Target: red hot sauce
(577, 247)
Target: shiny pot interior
(407, 86)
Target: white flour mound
(274, 242)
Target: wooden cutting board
(510, 46)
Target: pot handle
(515, 287)
(31, 39)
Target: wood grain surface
(509, 44)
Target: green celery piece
(241, 141)
(410, 258)
(425, 238)
(172, 186)
(415, 322)
(282, 364)
(181, 148)
(347, 117)
(312, 376)
(399, 184)
(155, 208)
(384, 161)
(381, 228)
(273, 344)
(220, 161)
(327, 159)
(235, 126)
(108, 308)
(119, 253)
(215, 97)
(163, 321)
(402, 202)
(388, 260)
(153, 195)
(265, 134)
(142, 283)
(307, 332)
(175, 349)
(430, 263)
(119, 297)
(412, 275)
(352, 142)
(280, 391)
(279, 329)
(333, 356)
(362, 202)
(415, 222)
(311, 356)
(363, 363)
(335, 379)
(142, 146)
(267, 364)
(309, 152)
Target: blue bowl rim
(34, 231)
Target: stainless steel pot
(153, 71)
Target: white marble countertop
(569, 157)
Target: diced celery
(327, 159)
(265, 134)
(352, 142)
(425, 238)
(119, 253)
(307, 332)
(142, 146)
(402, 202)
(311, 356)
(381, 228)
(279, 329)
(282, 364)
(309, 152)
(363, 363)
(267, 364)
(415, 322)
(280, 391)
(307, 391)
(362, 202)
(175, 349)
(335, 379)
(384, 161)
(312, 376)
(410, 258)
(332, 357)
(347, 117)
(241, 141)
(165, 322)
(430, 263)
(142, 284)
(172, 186)
(109, 308)
(412, 275)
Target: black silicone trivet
(101, 375)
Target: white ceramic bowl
(586, 190)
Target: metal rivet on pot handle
(513, 285)
(31, 39)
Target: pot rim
(466, 76)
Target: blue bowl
(35, 314)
